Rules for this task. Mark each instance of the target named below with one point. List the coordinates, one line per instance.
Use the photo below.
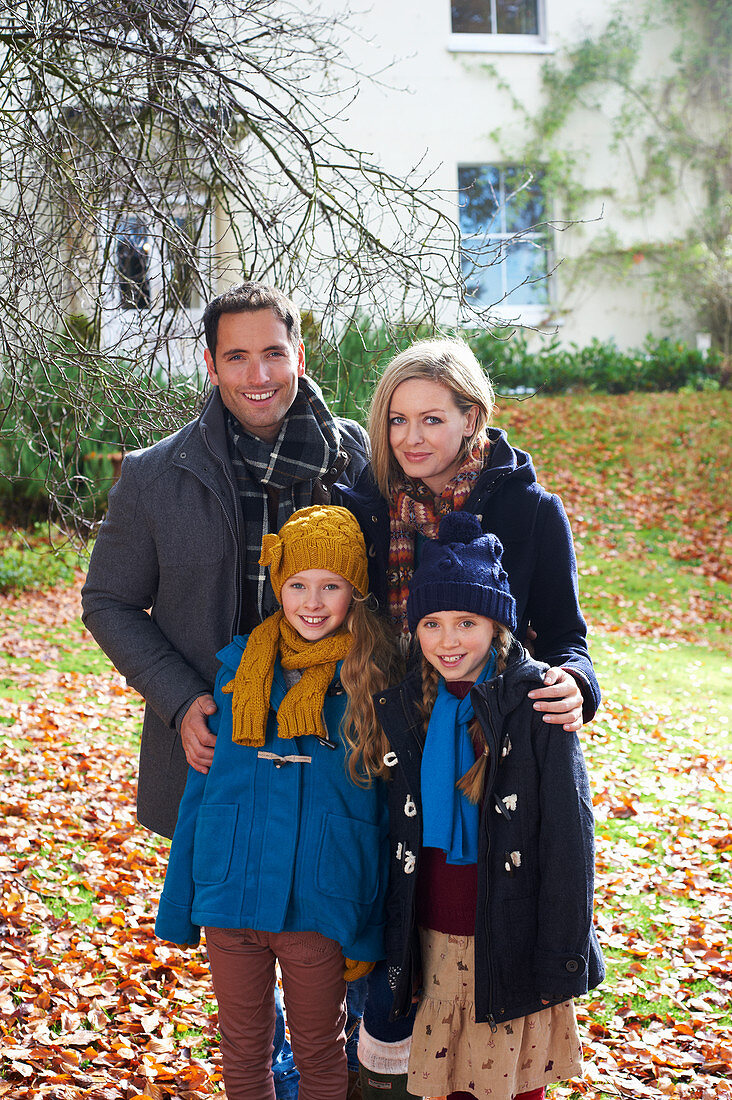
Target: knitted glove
(355, 970)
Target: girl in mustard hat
(281, 850)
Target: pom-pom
(461, 527)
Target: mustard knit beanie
(319, 537)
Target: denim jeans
(355, 1002)
(286, 1074)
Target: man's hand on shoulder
(197, 739)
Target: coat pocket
(348, 859)
(515, 945)
(213, 843)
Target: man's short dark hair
(247, 298)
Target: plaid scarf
(305, 448)
(414, 509)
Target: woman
(434, 453)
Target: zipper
(413, 930)
(236, 534)
(495, 748)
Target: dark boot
(354, 1085)
(384, 1086)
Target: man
(174, 572)
(175, 569)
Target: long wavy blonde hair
(372, 664)
(471, 784)
(453, 365)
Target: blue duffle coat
(278, 846)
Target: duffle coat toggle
(325, 742)
(278, 760)
(408, 857)
(500, 806)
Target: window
(505, 248)
(160, 276)
(498, 26)
(161, 265)
(181, 252)
(134, 248)
(495, 16)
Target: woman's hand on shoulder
(560, 700)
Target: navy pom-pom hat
(461, 570)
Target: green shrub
(61, 419)
(349, 371)
(600, 367)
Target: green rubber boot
(384, 1086)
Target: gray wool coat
(163, 594)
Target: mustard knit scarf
(301, 710)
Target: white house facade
(560, 230)
(454, 90)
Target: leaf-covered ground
(646, 481)
(91, 1005)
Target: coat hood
(505, 462)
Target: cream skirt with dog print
(452, 1053)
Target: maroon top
(447, 893)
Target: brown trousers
(243, 971)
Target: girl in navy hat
(492, 844)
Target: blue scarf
(450, 822)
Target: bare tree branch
(148, 147)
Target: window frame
(531, 313)
(124, 327)
(496, 42)
(162, 262)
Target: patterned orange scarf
(414, 509)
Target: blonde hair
(452, 364)
(471, 784)
(372, 664)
